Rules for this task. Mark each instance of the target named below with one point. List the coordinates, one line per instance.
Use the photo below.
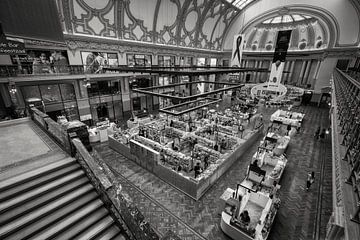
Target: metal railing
(48, 69)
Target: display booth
(258, 206)
(272, 165)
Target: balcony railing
(40, 70)
(18, 71)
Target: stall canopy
(35, 19)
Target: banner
(278, 63)
(237, 50)
(11, 46)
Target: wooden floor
(302, 215)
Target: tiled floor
(21, 144)
(30, 148)
(302, 215)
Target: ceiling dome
(288, 18)
(307, 33)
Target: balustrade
(347, 95)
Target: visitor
(322, 135)
(174, 147)
(241, 130)
(216, 147)
(255, 163)
(162, 156)
(197, 170)
(179, 168)
(273, 190)
(206, 161)
(223, 145)
(310, 180)
(245, 218)
(317, 133)
(288, 128)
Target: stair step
(81, 225)
(44, 211)
(40, 190)
(25, 177)
(96, 229)
(19, 189)
(109, 233)
(38, 162)
(68, 221)
(52, 218)
(119, 236)
(42, 200)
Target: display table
(278, 144)
(137, 121)
(94, 135)
(289, 118)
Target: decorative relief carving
(124, 47)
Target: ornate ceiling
(307, 33)
(186, 23)
(211, 24)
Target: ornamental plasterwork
(124, 47)
(167, 33)
(94, 18)
(174, 22)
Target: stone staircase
(55, 201)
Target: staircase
(56, 201)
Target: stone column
(306, 72)
(258, 77)
(255, 73)
(316, 73)
(289, 77)
(299, 81)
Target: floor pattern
(168, 209)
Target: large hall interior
(180, 119)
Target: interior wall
(325, 72)
(342, 10)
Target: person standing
(288, 128)
(310, 180)
(241, 130)
(197, 170)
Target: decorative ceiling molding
(75, 43)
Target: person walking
(322, 135)
(317, 133)
(310, 180)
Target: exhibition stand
(171, 148)
(261, 210)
